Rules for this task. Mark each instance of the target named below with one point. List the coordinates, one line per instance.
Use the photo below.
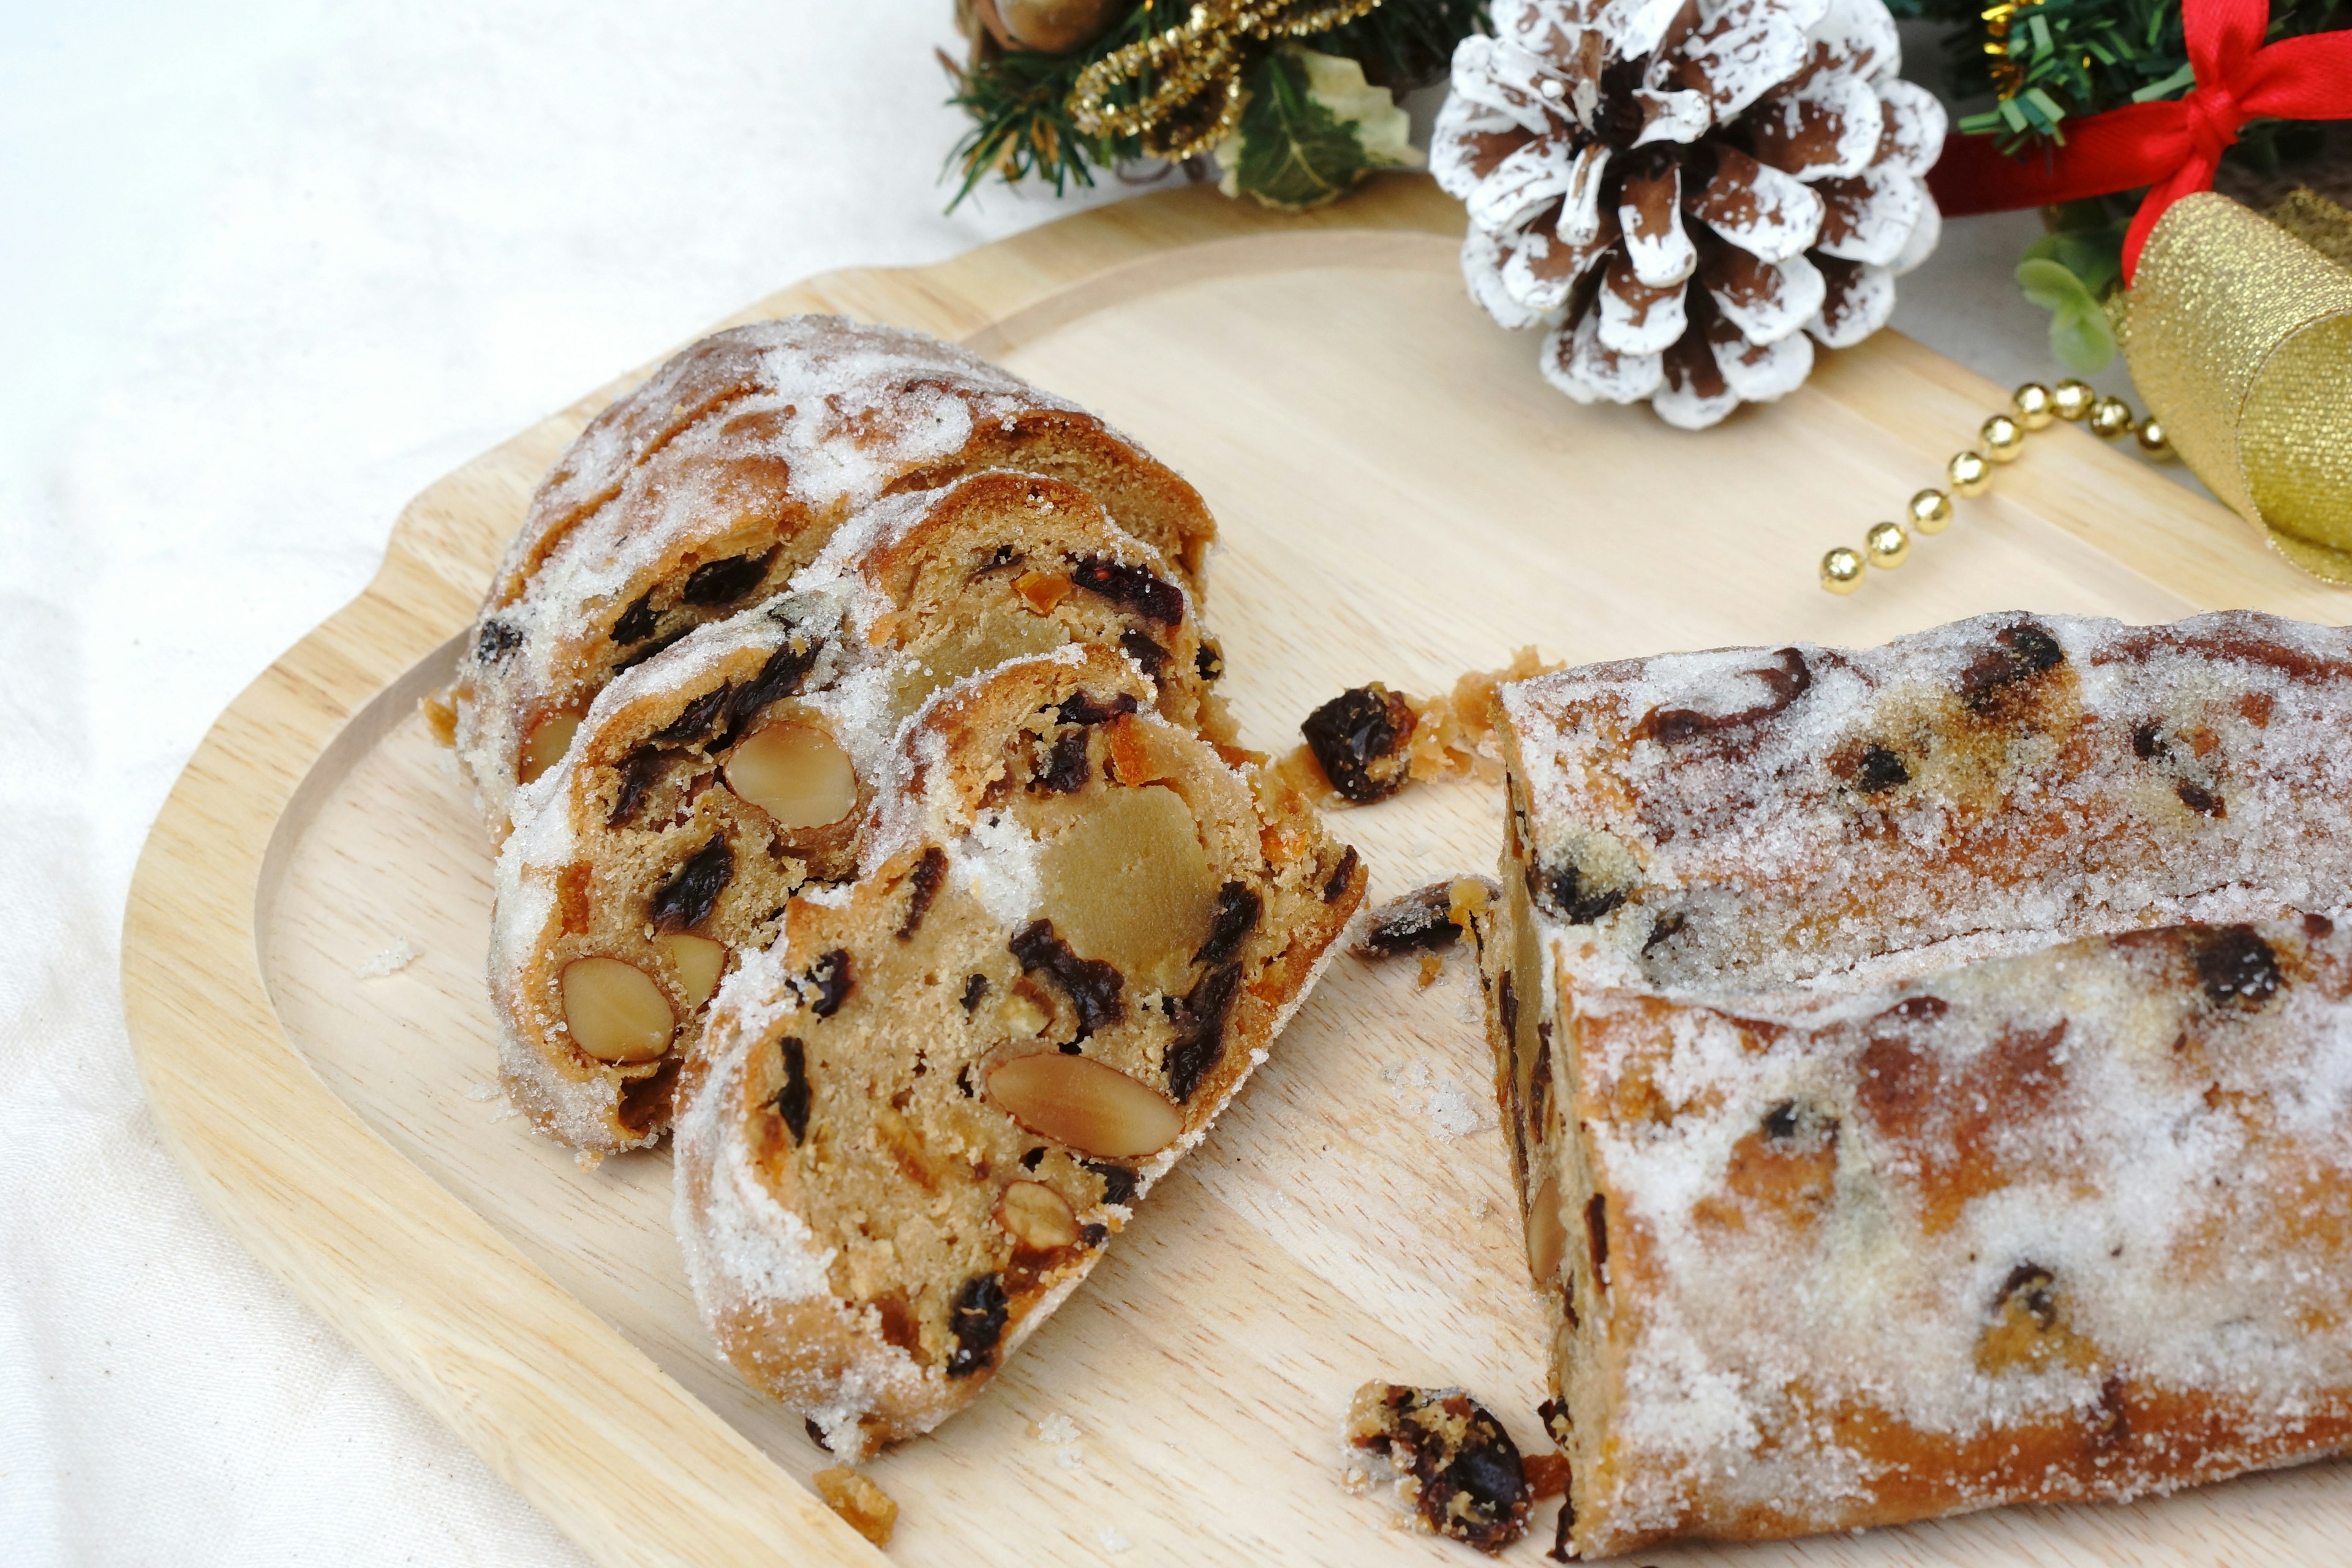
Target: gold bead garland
(1969, 473)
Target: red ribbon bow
(2173, 146)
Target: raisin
(640, 771)
(2028, 1285)
(1033, 1159)
(2317, 928)
(1510, 1006)
(1119, 1181)
(1918, 1009)
(1078, 707)
(779, 678)
(1133, 587)
(973, 990)
(963, 1080)
(923, 883)
(2200, 799)
(1093, 1235)
(637, 622)
(1421, 920)
(498, 641)
(692, 891)
(1665, 927)
(724, 582)
(1200, 1041)
(695, 719)
(662, 644)
(1671, 726)
(1209, 660)
(2145, 741)
(1093, 985)
(1068, 764)
(1149, 656)
(816, 1434)
(1561, 891)
(2024, 651)
(1473, 1485)
(828, 977)
(1596, 1228)
(1238, 908)
(1358, 738)
(792, 1101)
(2235, 965)
(1334, 886)
(1879, 771)
(1557, 1423)
(977, 1321)
(1780, 1123)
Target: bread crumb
(869, 1509)
(390, 960)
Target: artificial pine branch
(1019, 102)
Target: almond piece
(1085, 1105)
(1035, 1215)
(698, 962)
(796, 773)
(545, 747)
(615, 1011)
(1546, 1237)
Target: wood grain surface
(1401, 498)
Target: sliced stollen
(706, 784)
(911, 1127)
(705, 490)
(1888, 1041)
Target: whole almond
(1084, 1105)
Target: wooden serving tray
(1401, 498)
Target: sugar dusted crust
(841, 1173)
(2000, 1181)
(707, 487)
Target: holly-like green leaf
(1295, 154)
(2081, 336)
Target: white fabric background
(267, 268)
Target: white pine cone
(1612, 154)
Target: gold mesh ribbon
(2239, 335)
(1183, 83)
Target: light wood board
(1401, 498)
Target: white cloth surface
(270, 268)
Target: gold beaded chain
(2032, 407)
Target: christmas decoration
(1687, 199)
(2053, 62)
(1293, 96)
(2238, 332)
(1969, 473)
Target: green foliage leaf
(1295, 154)
(2080, 333)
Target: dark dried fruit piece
(659, 644)
(692, 891)
(1562, 892)
(2028, 1288)
(1133, 587)
(1238, 908)
(2024, 651)
(2200, 799)
(923, 886)
(724, 582)
(640, 771)
(1200, 1041)
(1080, 709)
(792, 1101)
(1149, 656)
(1119, 1181)
(498, 641)
(1209, 660)
(2235, 965)
(1670, 726)
(638, 622)
(974, 989)
(1093, 985)
(694, 720)
(1358, 738)
(1066, 764)
(828, 979)
(1335, 887)
(1456, 1465)
(778, 679)
(1418, 922)
(1664, 928)
(2147, 740)
(1880, 770)
(977, 1321)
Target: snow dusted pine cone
(1683, 190)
